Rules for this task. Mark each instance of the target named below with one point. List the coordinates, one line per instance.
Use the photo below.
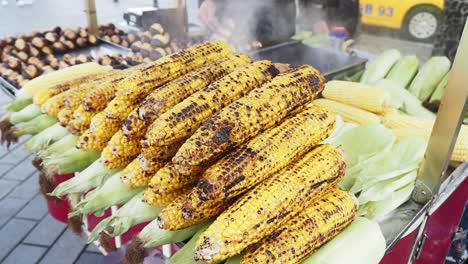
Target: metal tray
(330, 62)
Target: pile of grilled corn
(204, 143)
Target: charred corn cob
(168, 179)
(366, 97)
(319, 222)
(137, 86)
(349, 113)
(65, 116)
(80, 121)
(161, 152)
(164, 198)
(42, 96)
(183, 119)
(123, 146)
(100, 131)
(139, 172)
(112, 161)
(171, 217)
(273, 202)
(460, 150)
(261, 109)
(71, 98)
(267, 153)
(174, 92)
(396, 119)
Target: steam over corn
(270, 204)
(323, 219)
(183, 119)
(262, 108)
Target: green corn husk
(35, 125)
(439, 91)
(380, 67)
(46, 138)
(28, 113)
(73, 160)
(66, 143)
(18, 104)
(132, 213)
(427, 79)
(186, 254)
(113, 192)
(404, 71)
(93, 176)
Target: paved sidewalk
(28, 233)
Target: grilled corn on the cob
(80, 121)
(176, 91)
(164, 198)
(273, 202)
(349, 113)
(168, 179)
(137, 86)
(267, 153)
(319, 222)
(139, 172)
(261, 109)
(183, 119)
(100, 131)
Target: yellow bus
(417, 19)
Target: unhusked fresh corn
(168, 179)
(42, 96)
(176, 91)
(460, 150)
(139, 172)
(325, 217)
(183, 119)
(267, 153)
(137, 86)
(366, 97)
(65, 116)
(273, 202)
(80, 121)
(349, 113)
(165, 198)
(100, 131)
(393, 118)
(51, 79)
(243, 119)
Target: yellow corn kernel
(183, 120)
(262, 108)
(349, 113)
(363, 96)
(161, 152)
(396, 119)
(265, 154)
(112, 161)
(139, 172)
(163, 199)
(168, 179)
(319, 222)
(65, 116)
(138, 85)
(273, 202)
(100, 131)
(81, 120)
